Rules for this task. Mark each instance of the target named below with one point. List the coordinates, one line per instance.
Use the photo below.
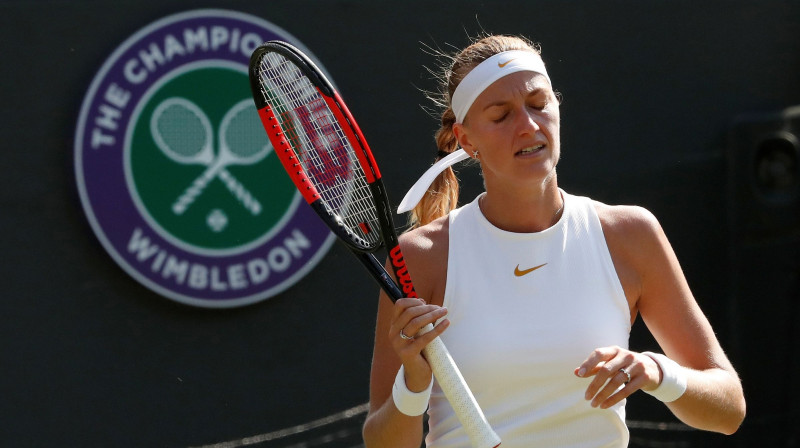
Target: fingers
(610, 384)
(424, 337)
(411, 315)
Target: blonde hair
(442, 195)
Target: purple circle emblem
(175, 173)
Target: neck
(523, 211)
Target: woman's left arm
(713, 399)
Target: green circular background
(160, 181)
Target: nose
(527, 123)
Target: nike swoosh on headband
(503, 64)
(419, 189)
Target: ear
(463, 138)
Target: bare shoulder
(635, 242)
(634, 232)
(426, 238)
(630, 228)
(425, 250)
(630, 220)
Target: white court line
(349, 413)
(360, 409)
(659, 426)
(328, 438)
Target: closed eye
(496, 113)
(500, 118)
(538, 105)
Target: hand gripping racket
(327, 157)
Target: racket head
(351, 168)
(318, 143)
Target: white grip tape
(457, 392)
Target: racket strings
(325, 154)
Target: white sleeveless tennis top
(525, 311)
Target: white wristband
(673, 379)
(407, 402)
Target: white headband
(476, 81)
(489, 71)
(417, 191)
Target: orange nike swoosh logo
(505, 63)
(519, 273)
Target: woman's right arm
(385, 425)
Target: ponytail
(442, 195)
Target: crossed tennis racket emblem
(183, 132)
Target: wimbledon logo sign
(176, 175)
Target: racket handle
(457, 392)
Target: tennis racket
(327, 157)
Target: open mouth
(530, 150)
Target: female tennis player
(534, 290)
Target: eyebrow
(498, 103)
